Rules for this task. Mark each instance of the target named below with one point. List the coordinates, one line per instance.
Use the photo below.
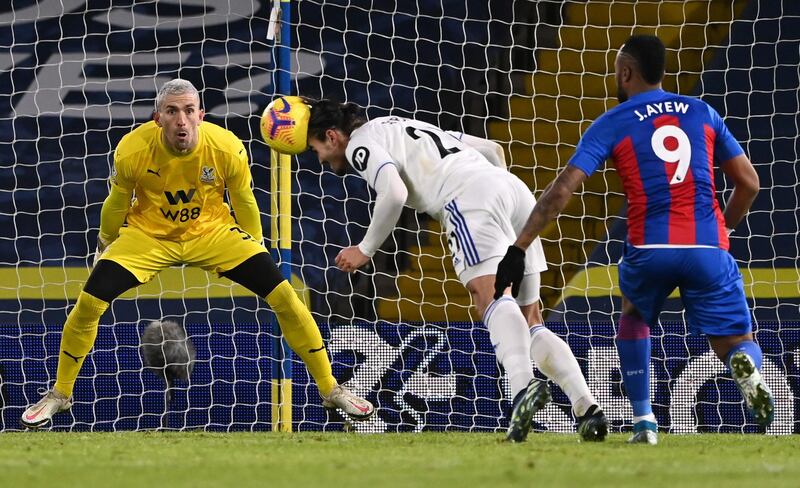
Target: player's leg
(133, 258)
(480, 229)
(716, 306)
(232, 253)
(508, 332)
(743, 356)
(260, 275)
(645, 283)
(633, 347)
(555, 360)
(107, 281)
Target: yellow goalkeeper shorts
(219, 250)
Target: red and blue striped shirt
(664, 146)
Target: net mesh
(76, 76)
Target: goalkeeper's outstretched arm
(112, 215)
(246, 210)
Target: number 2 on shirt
(443, 151)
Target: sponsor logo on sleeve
(360, 158)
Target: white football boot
(355, 407)
(644, 432)
(40, 413)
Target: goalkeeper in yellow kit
(168, 183)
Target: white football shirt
(432, 163)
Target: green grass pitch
(436, 460)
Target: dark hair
(328, 114)
(649, 53)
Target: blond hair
(177, 86)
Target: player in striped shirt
(664, 147)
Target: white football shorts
(483, 220)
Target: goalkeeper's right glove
(510, 272)
(102, 244)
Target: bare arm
(551, 203)
(745, 188)
(511, 269)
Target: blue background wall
(55, 168)
(431, 377)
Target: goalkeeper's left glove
(510, 272)
(102, 244)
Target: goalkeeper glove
(102, 244)
(510, 272)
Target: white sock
(554, 358)
(508, 331)
(649, 418)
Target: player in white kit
(462, 182)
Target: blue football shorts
(708, 279)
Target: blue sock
(634, 361)
(748, 347)
(633, 346)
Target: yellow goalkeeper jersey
(180, 196)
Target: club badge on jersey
(207, 174)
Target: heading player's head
(639, 65)
(329, 129)
(178, 112)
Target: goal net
(531, 75)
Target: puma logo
(154, 172)
(74, 358)
(321, 348)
